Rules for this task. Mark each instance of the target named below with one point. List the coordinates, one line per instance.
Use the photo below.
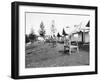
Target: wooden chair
(73, 44)
(70, 44)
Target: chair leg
(70, 51)
(78, 50)
(64, 48)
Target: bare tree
(53, 29)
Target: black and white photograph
(51, 40)
(56, 39)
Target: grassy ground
(44, 55)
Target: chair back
(73, 39)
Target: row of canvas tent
(82, 33)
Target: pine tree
(64, 33)
(27, 38)
(32, 36)
(58, 35)
(42, 30)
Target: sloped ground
(44, 55)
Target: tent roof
(88, 24)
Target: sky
(61, 21)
